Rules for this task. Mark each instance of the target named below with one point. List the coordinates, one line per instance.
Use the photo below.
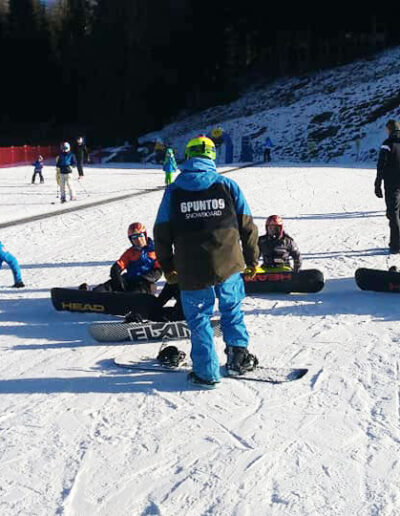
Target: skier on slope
(201, 221)
(65, 162)
(12, 262)
(137, 269)
(37, 169)
(277, 247)
(388, 171)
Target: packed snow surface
(80, 437)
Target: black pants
(40, 176)
(392, 199)
(79, 166)
(141, 286)
(267, 155)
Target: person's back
(204, 234)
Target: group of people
(66, 161)
(204, 237)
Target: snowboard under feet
(274, 375)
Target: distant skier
(81, 154)
(12, 262)
(204, 233)
(37, 169)
(267, 149)
(169, 166)
(277, 247)
(388, 171)
(137, 269)
(65, 162)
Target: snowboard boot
(393, 268)
(63, 200)
(239, 360)
(84, 286)
(170, 356)
(200, 382)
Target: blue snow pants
(11, 261)
(198, 308)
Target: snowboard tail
(115, 303)
(378, 280)
(284, 281)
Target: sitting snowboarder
(137, 269)
(277, 247)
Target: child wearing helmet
(12, 262)
(204, 235)
(277, 247)
(37, 170)
(65, 162)
(169, 166)
(137, 269)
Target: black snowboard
(260, 374)
(311, 280)
(116, 303)
(377, 280)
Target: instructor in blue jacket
(12, 262)
(204, 237)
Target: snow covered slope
(313, 117)
(78, 437)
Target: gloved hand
(251, 271)
(171, 277)
(378, 189)
(19, 284)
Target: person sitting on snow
(137, 269)
(277, 247)
(12, 262)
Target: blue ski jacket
(65, 161)
(204, 228)
(11, 261)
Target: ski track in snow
(80, 436)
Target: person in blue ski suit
(204, 237)
(12, 262)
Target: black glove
(378, 189)
(19, 284)
(117, 283)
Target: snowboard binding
(171, 356)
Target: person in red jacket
(137, 269)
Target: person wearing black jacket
(81, 153)
(388, 171)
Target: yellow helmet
(201, 147)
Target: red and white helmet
(135, 230)
(277, 222)
(65, 147)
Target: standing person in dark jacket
(204, 235)
(65, 162)
(277, 247)
(81, 153)
(37, 170)
(388, 171)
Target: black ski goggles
(135, 236)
